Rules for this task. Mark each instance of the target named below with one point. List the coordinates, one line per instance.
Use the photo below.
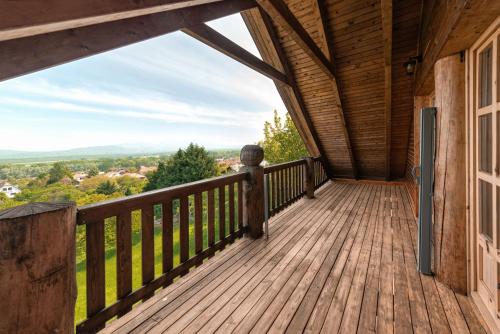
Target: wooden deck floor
(343, 262)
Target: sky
(167, 92)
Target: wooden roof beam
(214, 39)
(386, 7)
(28, 18)
(29, 54)
(279, 11)
(296, 92)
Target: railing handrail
(109, 208)
(283, 165)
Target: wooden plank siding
(344, 262)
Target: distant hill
(78, 153)
(11, 156)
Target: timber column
(37, 268)
(253, 189)
(450, 174)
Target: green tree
(106, 188)
(58, 172)
(282, 141)
(191, 164)
(93, 171)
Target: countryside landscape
(95, 174)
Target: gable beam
(296, 92)
(214, 39)
(29, 54)
(27, 18)
(280, 12)
(386, 6)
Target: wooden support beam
(318, 7)
(29, 54)
(214, 39)
(27, 18)
(295, 88)
(279, 11)
(386, 6)
(257, 29)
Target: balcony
(341, 262)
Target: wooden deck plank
(263, 314)
(352, 277)
(278, 265)
(342, 262)
(282, 322)
(242, 302)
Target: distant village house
(10, 190)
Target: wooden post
(253, 189)
(37, 268)
(450, 174)
(309, 177)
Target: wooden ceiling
(360, 104)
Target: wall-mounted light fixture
(411, 64)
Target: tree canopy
(58, 172)
(282, 141)
(192, 164)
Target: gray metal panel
(426, 181)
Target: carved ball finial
(251, 155)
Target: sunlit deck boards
(344, 262)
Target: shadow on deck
(343, 262)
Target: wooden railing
(180, 209)
(320, 176)
(285, 184)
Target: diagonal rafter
(386, 7)
(279, 11)
(293, 83)
(216, 40)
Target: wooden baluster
(167, 237)
(287, 185)
(222, 213)
(275, 191)
(148, 247)
(184, 230)
(231, 211)
(268, 183)
(198, 224)
(211, 218)
(295, 184)
(123, 257)
(96, 297)
(282, 188)
(240, 205)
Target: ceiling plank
(296, 92)
(214, 39)
(449, 27)
(29, 54)
(28, 18)
(280, 12)
(387, 12)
